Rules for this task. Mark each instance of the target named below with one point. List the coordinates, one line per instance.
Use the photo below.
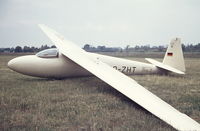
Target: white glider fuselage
(61, 66)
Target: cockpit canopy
(48, 53)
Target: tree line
(137, 48)
(89, 48)
(25, 49)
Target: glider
(68, 60)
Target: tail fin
(173, 60)
(174, 55)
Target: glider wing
(122, 83)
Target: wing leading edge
(123, 84)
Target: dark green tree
(18, 49)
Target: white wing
(124, 84)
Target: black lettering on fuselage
(125, 69)
(134, 69)
(115, 67)
(129, 70)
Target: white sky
(100, 22)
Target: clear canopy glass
(48, 53)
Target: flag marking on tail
(169, 54)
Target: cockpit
(48, 53)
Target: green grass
(87, 103)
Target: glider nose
(21, 64)
(33, 66)
(14, 64)
(10, 64)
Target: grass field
(28, 103)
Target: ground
(87, 103)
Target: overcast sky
(100, 22)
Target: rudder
(174, 55)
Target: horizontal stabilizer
(163, 66)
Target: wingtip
(147, 59)
(41, 25)
(182, 73)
